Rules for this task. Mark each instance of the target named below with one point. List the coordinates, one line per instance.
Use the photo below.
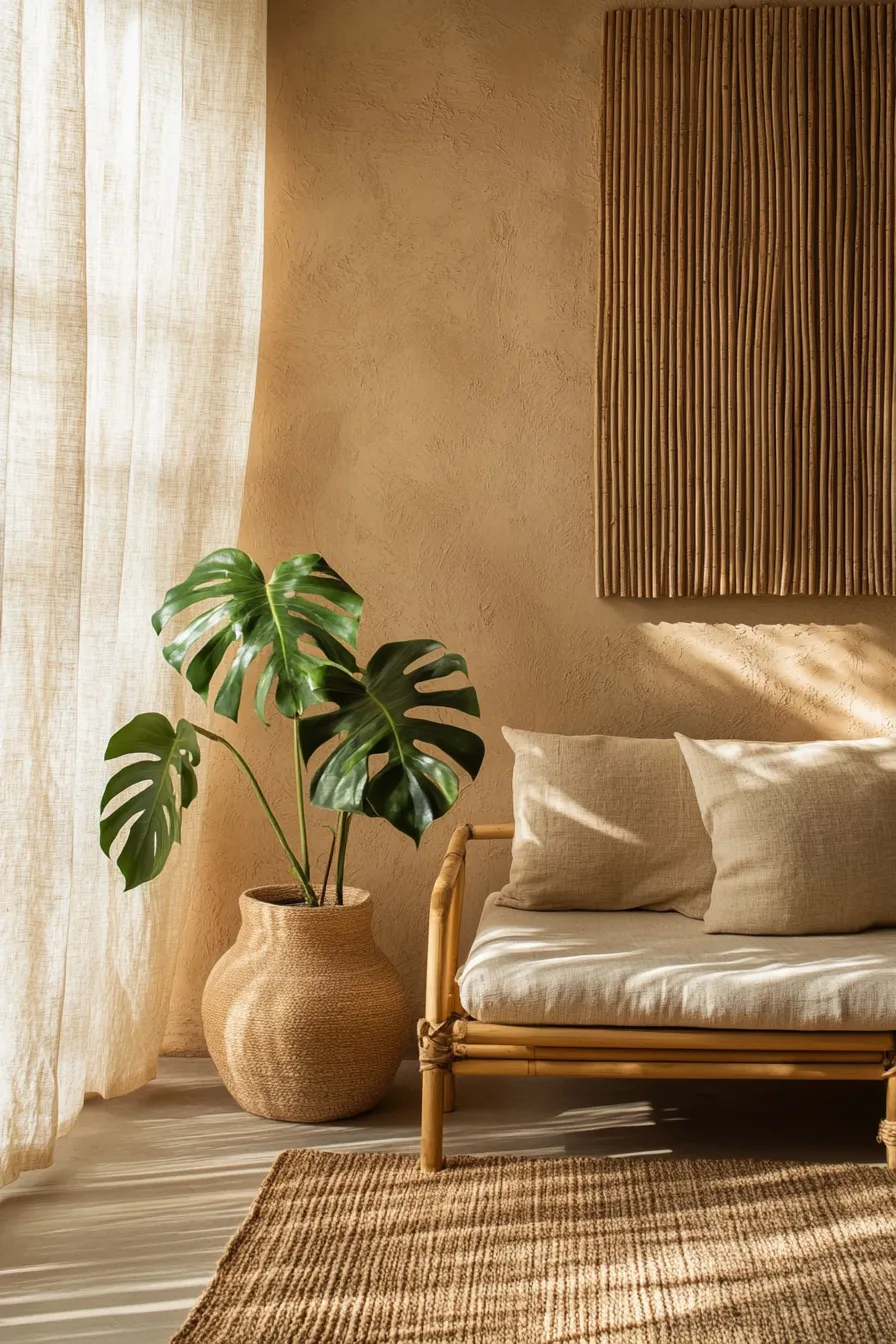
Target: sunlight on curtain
(131, 176)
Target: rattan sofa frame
(451, 1043)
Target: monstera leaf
(154, 812)
(265, 621)
(411, 788)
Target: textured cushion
(605, 823)
(638, 968)
(803, 833)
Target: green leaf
(153, 815)
(411, 788)
(305, 600)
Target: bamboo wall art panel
(746, 381)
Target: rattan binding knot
(886, 1133)
(436, 1041)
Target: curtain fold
(131, 218)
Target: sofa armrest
(445, 909)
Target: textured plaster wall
(424, 417)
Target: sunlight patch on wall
(775, 682)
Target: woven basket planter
(304, 1017)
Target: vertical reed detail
(746, 381)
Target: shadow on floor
(117, 1239)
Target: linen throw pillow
(605, 823)
(803, 833)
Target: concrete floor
(116, 1240)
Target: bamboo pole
(452, 939)
(555, 1068)
(649, 1038)
(447, 1092)
(675, 1056)
(502, 830)
(452, 863)
(441, 964)
(431, 1156)
(497, 1051)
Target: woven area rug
(358, 1249)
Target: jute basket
(304, 1017)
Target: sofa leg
(889, 1126)
(448, 1093)
(431, 1158)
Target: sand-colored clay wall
(424, 417)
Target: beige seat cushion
(640, 968)
(605, 823)
(803, 833)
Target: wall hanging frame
(746, 360)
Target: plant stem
(344, 820)
(300, 796)
(323, 887)
(294, 864)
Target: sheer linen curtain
(131, 184)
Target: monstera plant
(304, 1016)
(298, 630)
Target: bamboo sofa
(451, 1042)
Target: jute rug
(360, 1249)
